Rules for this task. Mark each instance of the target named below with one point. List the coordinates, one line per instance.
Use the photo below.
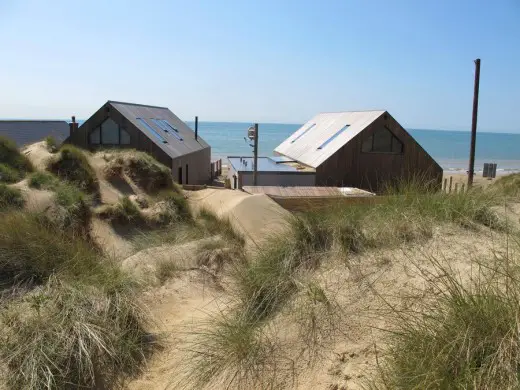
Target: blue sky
(265, 61)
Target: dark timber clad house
(155, 130)
(25, 132)
(363, 149)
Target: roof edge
(136, 104)
(34, 120)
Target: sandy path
(257, 216)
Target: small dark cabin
(152, 129)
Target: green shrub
(52, 145)
(72, 165)
(14, 165)
(9, 175)
(71, 335)
(43, 180)
(10, 197)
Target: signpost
(252, 134)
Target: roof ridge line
(136, 104)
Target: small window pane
(110, 132)
(125, 137)
(382, 140)
(397, 146)
(94, 136)
(367, 145)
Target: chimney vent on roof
(196, 127)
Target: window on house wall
(95, 136)
(109, 132)
(125, 137)
(382, 141)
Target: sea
(449, 148)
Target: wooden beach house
(363, 149)
(152, 129)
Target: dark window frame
(394, 137)
(119, 128)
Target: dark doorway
(180, 175)
(187, 176)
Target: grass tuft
(10, 198)
(125, 211)
(14, 165)
(71, 165)
(51, 143)
(70, 335)
(73, 211)
(43, 181)
(508, 185)
(462, 335)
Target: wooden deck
(306, 192)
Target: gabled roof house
(364, 149)
(24, 132)
(152, 129)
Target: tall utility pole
(471, 169)
(255, 149)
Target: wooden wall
(138, 140)
(350, 167)
(199, 167)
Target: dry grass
(277, 282)
(143, 169)
(77, 324)
(10, 198)
(125, 211)
(71, 165)
(14, 165)
(462, 334)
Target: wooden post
(445, 188)
(462, 187)
(255, 163)
(451, 180)
(471, 169)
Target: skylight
(302, 133)
(152, 130)
(333, 137)
(175, 131)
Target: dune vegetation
(13, 164)
(354, 296)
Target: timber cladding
(351, 167)
(151, 129)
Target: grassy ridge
(71, 165)
(14, 165)
(77, 324)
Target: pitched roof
(24, 132)
(173, 146)
(322, 136)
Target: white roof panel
(304, 145)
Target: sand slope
(257, 216)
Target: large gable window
(109, 133)
(382, 141)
